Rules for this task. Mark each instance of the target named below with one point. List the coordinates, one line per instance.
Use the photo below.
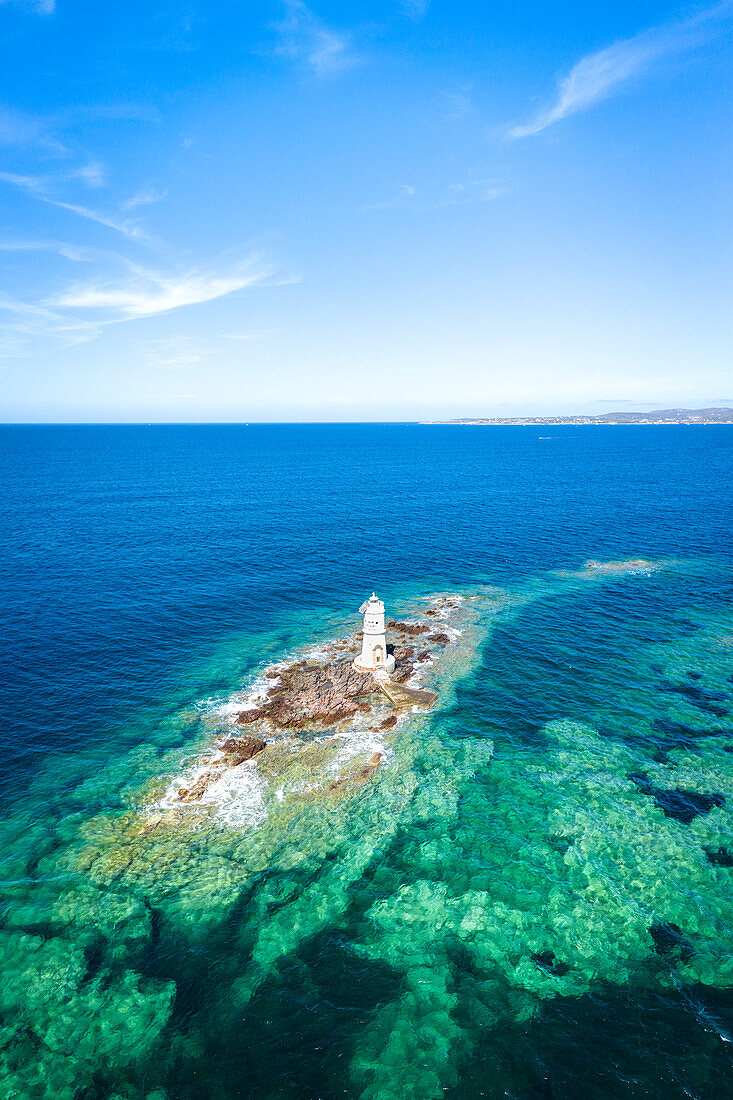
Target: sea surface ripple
(533, 896)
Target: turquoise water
(530, 897)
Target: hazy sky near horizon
(383, 210)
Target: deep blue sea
(532, 897)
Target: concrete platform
(401, 696)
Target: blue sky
(387, 210)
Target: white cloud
(598, 75)
(304, 37)
(148, 293)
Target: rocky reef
(310, 695)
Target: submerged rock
(669, 939)
(388, 724)
(197, 791)
(355, 777)
(630, 565)
(681, 804)
(707, 701)
(720, 856)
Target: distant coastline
(660, 416)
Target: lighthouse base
(383, 671)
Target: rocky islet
(308, 696)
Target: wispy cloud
(306, 38)
(175, 353)
(93, 174)
(180, 352)
(455, 194)
(27, 324)
(43, 7)
(599, 75)
(20, 129)
(36, 184)
(41, 186)
(73, 252)
(128, 227)
(145, 197)
(456, 106)
(83, 311)
(147, 293)
(415, 9)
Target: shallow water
(532, 894)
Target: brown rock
(309, 692)
(442, 638)
(408, 628)
(425, 655)
(247, 717)
(242, 748)
(200, 787)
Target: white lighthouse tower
(374, 656)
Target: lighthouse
(374, 656)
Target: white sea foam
(238, 796)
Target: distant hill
(658, 416)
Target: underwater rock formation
(610, 568)
(467, 891)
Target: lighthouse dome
(373, 605)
